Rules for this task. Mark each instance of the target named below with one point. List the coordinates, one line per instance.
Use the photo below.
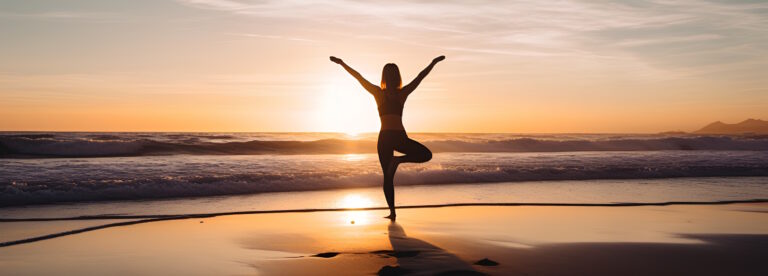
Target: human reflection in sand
(417, 257)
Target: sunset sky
(512, 66)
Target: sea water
(153, 172)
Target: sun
(346, 107)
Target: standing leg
(386, 149)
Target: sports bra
(390, 104)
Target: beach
(245, 137)
(728, 239)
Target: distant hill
(749, 126)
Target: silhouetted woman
(390, 98)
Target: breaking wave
(106, 145)
(25, 182)
(169, 165)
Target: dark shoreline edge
(555, 204)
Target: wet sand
(523, 240)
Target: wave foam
(23, 182)
(46, 145)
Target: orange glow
(345, 107)
(355, 218)
(521, 66)
(282, 243)
(355, 201)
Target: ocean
(50, 168)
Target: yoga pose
(390, 98)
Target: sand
(522, 240)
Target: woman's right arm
(365, 83)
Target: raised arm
(365, 83)
(415, 82)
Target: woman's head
(390, 76)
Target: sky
(512, 66)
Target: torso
(390, 104)
(391, 122)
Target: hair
(390, 76)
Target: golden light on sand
(355, 217)
(345, 107)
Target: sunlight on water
(353, 157)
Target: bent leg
(414, 152)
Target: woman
(390, 98)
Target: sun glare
(355, 217)
(355, 201)
(353, 157)
(345, 107)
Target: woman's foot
(392, 216)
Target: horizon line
(337, 132)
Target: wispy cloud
(58, 15)
(559, 29)
(681, 39)
(273, 37)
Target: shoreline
(661, 180)
(251, 212)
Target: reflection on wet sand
(417, 257)
(524, 240)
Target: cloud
(647, 38)
(273, 37)
(580, 30)
(58, 15)
(690, 38)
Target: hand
(336, 60)
(438, 59)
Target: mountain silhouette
(749, 126)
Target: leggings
(397, 140)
